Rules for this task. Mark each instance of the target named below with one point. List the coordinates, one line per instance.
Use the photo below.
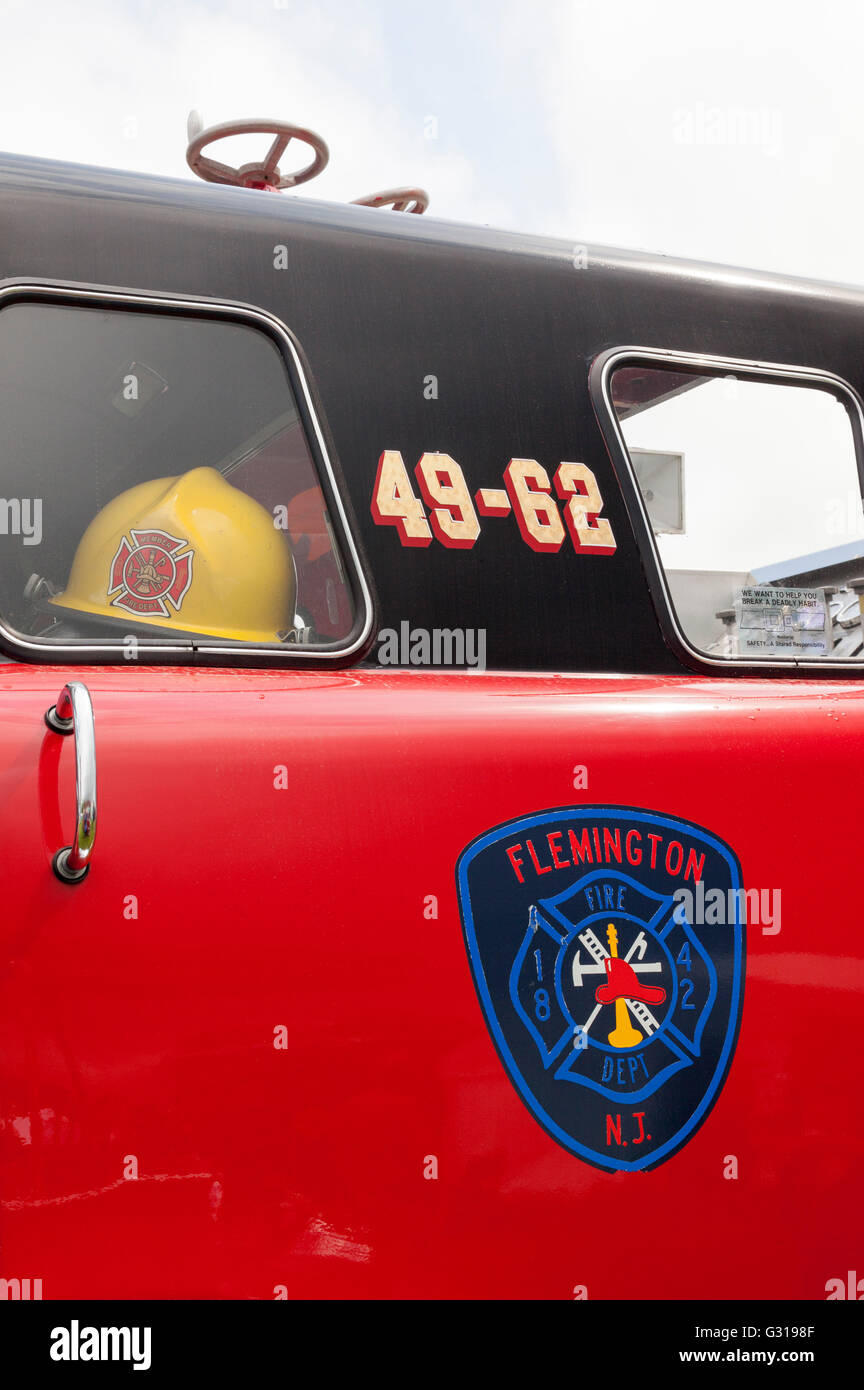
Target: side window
(159, 481)
(748, 488)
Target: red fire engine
(431, 686)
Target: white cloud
(114, 85)
(770, 175)
(570, 119)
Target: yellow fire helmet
(189, 554)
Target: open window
(164, 486)
(744, 484)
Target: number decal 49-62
(454, 521)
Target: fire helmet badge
(147, 574)
(614, 1008)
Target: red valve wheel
(398, 199)
(266, 174)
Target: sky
(769, 472)
(725, 133)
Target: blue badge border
(700, 1114)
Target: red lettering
(634, 856)
(515, 860)
(655, 841)
(674, 844)
(613, 1129)
(581, 849)
(697, 865)
(596, 835)
(612, 842)
(556, 850)
(531, 851)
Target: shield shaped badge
(612, 992)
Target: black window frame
(349, 650)
(599, 378)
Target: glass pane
(157, 482)
(751, 488)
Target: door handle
(73, 714)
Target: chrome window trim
(35, 291)
(599, 377)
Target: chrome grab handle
(73, 714)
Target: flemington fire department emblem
(147, 574)
(614, 1010)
